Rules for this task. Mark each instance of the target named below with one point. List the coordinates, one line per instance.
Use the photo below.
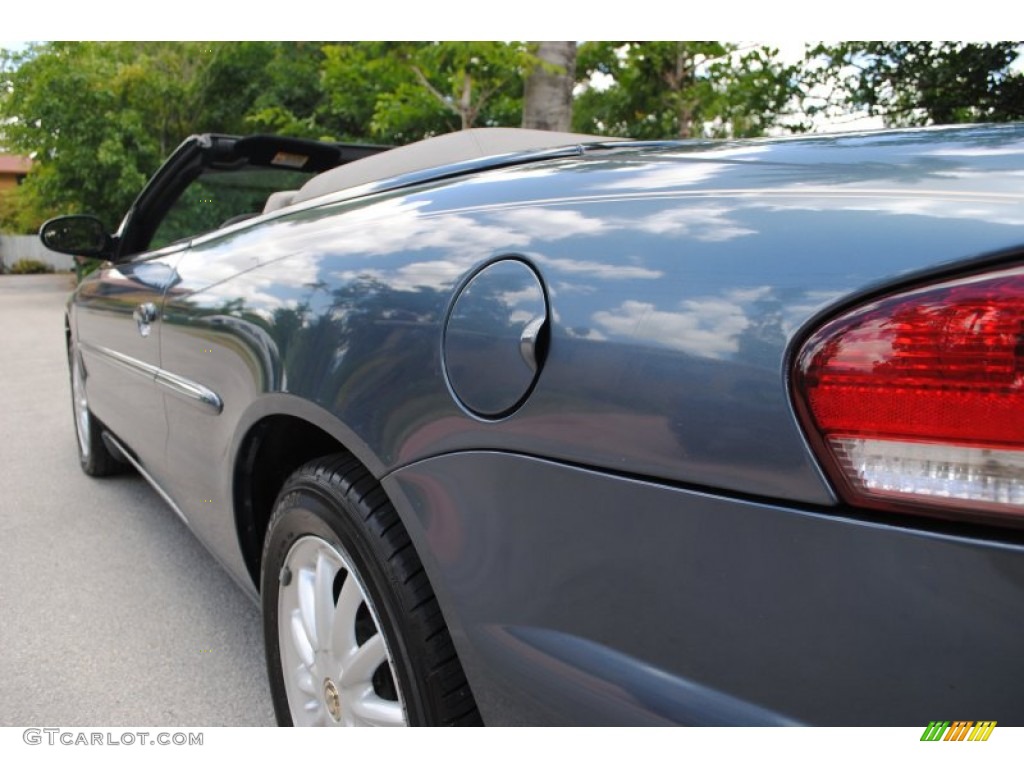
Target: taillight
(917, 400)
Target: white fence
(14, 248)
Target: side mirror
(77, 235)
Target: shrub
(30, 267)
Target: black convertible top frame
(213, 150)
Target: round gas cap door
(496, 337)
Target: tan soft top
(438, 151)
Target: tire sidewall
(307, 508)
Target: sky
(791, 20)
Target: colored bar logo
(959, 730)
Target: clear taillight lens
(917, 400)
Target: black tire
(334, 508)
(94, 457)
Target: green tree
(480, 82)
(675, 89)
(920, 82)
(403, 92)
(66, 106)
(19, 214)
(99, 117)
(355, 76)
(291, 98)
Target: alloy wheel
(338, 670)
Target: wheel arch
(276, 435)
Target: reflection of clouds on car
(709, 326)
(550, 223)
(703, 223)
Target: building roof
(14, 164)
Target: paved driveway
(111, 612)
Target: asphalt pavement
(111, 611)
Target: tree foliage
(98, 118)
(681, 89)
(921, 82)
(70, 109)
(401, 92)
(18, 213)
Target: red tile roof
(14, 164)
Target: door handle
(144, 315)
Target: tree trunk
(547, 98)
(466, 102)
(679, 81)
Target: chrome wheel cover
(337, 667)
(80, 403)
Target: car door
(117, 326)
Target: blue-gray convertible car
(514, 427)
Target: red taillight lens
(918, 399)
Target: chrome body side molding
(191, 391)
